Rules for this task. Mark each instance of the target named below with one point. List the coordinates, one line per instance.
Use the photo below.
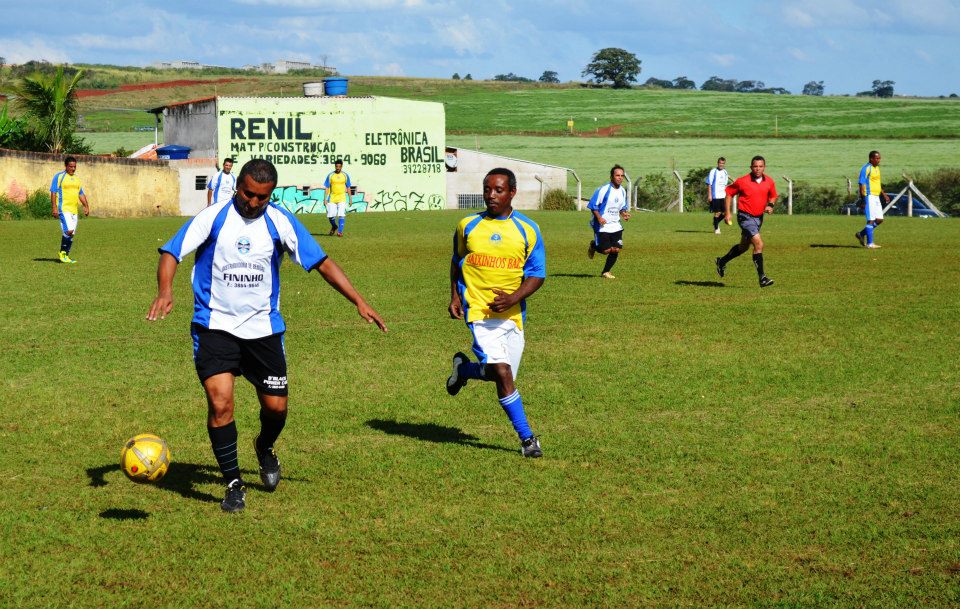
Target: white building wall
(472, 166)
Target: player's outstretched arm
(456, 305)
(334, 275)
(163, 303)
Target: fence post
(789, 195)
(910, 201)
(849, 187)
(629, 187)
(539, 179)
(579, 190)
(680, 189)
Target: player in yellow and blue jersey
(337, 187)
(871, 191)
(498, 262)
(66, 192)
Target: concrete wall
(192, 124)
(114, 187)
(190, 171)
(472, 166)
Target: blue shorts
(749, 225)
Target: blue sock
(473, 370)
(513, 406)
(67, 243)
(333, 222)
(341, 222)
(868, 229)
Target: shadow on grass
(119, 514)
(835, 246)
(431, 432)
(681, 230)
(577, 275)
(57, 260)
(702, 284)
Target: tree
(468, 77)
(549, 76)
(682, 82)
(814, 87)
(511, 77)
(883, 88)
(50, 105)
(456, 76)
(715, 83)
(658, 83)
(749, 86)
(613, 65)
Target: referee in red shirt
(757, 196)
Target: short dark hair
(503, 171)
(722, 159)
(758, 158)
(338, 162)
(68, 160)
(260, 171)
(228, 160)
(872, 152)
(616, 167)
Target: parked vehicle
(920, 209)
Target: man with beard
(237, 327)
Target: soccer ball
(145, 458)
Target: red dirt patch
(155, 85)
(602, 131)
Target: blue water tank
(173, 153)
(335, 85)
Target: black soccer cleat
(233, 501)
(859, 237)
(456, 380)
(531, 447)
(765, 282)
(720, 268)
(269, 466)
(591, 250)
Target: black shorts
(605, 241)
(718, 205)
(261, 361)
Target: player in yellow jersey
(498, 261)
(871, 191)
(66, 192)
(337, 186)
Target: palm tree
(50, 104)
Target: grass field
(819, 162)
(707, 443)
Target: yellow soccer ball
(145, 458)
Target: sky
(847, 44)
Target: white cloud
(798, 17)
(390, 69)
(462, 35)
(927, 57)
(22, 51)
(798, 54)
(726, 60)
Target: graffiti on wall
(411, 201)
(307, 200)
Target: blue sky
(845, 43)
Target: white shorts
(336, 209)
(68, 222)
(874, 209)
(498, 341)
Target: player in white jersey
(220, 188)
(717, 192)
(608, 206)
(237, 327)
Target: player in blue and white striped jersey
(609, 205)
(237, 327)
(220, 188)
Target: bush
(557, 199)
(941, 186)
(810, 199)
(37, 205)
(695, 189)
(655, 191)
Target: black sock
(223, 440)
(758, 262)
(65, 243)
(716, 222)
(733, 253)
(271, 424)
(611, 260)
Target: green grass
(106, 142)
(707, 443)
(819, 162)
